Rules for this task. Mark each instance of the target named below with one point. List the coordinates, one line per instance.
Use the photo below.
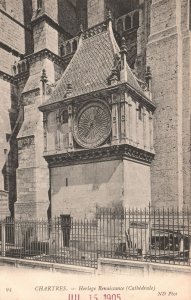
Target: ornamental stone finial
(123, 48)
(109, 15)
(44, 78)
(148, 79)
(68, 90)
(114, 78)
(81, 31)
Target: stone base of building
(31, 210)
(77, 190)
(4, 205)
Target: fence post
(3, 238)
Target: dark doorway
(66, 226)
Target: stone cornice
(45, 53)
(13, 79)
(21, 77)
(42, 54)
(7, 77)
(116, 152)
(44, 17)
(148, 103)
(113, 88)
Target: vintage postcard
(95, 158)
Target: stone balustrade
(127, 21)
(20, 67)
(69, 47)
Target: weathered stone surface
(77, 189)
(166, 55)
(161, 42)
(4, 205)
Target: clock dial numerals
(93, 125)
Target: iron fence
(148, 235)
(56, 241)
(156, 235)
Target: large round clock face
(92, 125)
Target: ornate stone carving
(45, 53)
(100, 154)
(95, 30)
(25, 142)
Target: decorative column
(45, 114)
(137, 139)
(123, 119)
(123, 53)
(129, 123)
(44, 80)
(133, 122)
(115, 120)
(151, 130)
(70, 123)
(148, 78)
(58, 130)
(145, 145)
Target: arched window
(136, 19)
(74, 45)
(64, 130)
(27, 65)
(140, 112)
(14, 70)
(120, 27)
(23, 67)
(39, 4)
(68, 48)
(127, 22)
(64, 117)
(19, 69)
(62, 50)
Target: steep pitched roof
(91, 67)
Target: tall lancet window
(39, 4)
(140, 112)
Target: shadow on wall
(27, 10)
(67, 16)
(94, 174)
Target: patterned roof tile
(90, 68)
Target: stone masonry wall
(67, 17)
(45, 37)
(32, 172)
(137, 187)
(96, 12)
(77, 189)
(5, 127)
(186, 96)
(165, 59)
(7, 59)
(12, 34)
(15, 9)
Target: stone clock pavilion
(98, 131)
